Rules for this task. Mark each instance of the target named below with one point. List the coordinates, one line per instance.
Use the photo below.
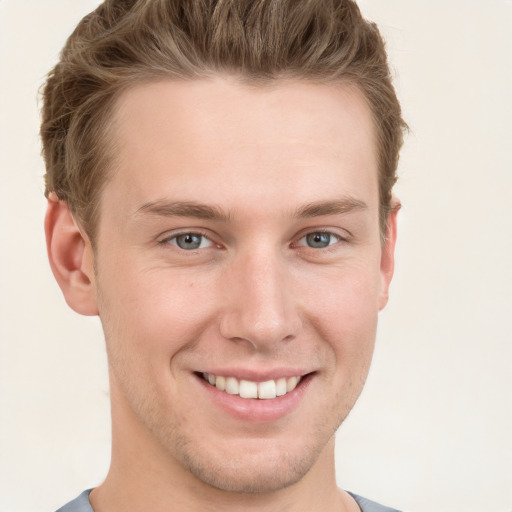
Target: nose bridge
(260, 307)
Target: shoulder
(80, 504)
(367, 505)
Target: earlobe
(71, 257)
(387, 263)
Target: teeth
(249, 389)
(220, 382)
(267, 389)
(281, 387)
(291, 383)
(232, 386)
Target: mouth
(256, 398)
(248, 389)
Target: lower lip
(253, 409)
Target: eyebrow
(184, 209)
(206, 212)
(336, 207)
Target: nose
(259, 307)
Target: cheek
(345, 299)
(154, 312)
(344, 312)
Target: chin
(250, 474)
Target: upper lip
(256, 375)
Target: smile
(250, 389)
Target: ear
(387, 261)
(71, 257)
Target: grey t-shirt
(82, 504)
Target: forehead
(200, 139)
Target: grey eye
(320, 240)
(190, 241)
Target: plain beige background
(431, 431)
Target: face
(239, 255)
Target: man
(219, 179)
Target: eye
(319, 240)
(189, 241)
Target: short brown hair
(125, 42)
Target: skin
(263, 167)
